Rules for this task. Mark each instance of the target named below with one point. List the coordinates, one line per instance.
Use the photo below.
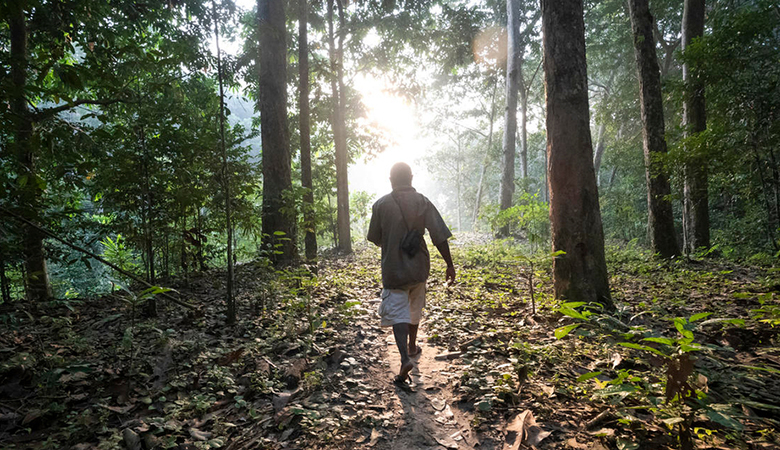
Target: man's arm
(444, 250)
(375, 228)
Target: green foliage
(529, 216)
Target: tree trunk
(696, 215)
(310, 240)
(599, 150)
(580, 274)
(5, 286)
(230, 300)
(507, 187)
(339, 128)
(524, 127)
(278, 219)
(663, 238)
(150, 307)
(38, 287)
(485, 160)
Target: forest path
(426, 415)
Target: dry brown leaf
(375, 435)
(516, 429)
(576, 445)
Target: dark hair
(401, 174)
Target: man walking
(398, 223)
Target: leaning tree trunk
(29, 194)
(278, 220)
(663, 238)
(696, 215)
(310, 240)
(579, 274)
(507, 187)
(339, 128)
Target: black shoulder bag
(410, 244)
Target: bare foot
(414, 350)
(405, 369)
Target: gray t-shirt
(387, 229)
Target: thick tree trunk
(507, 187)
(278, 220)
(230, 300)
(310, 240)
(486, 159)
(663, 238)
(580, 274)
(37, 283)
(696, 214)
(340, 136)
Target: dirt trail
(427, 416)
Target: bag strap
(403, 216)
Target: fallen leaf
(516, 429)
(199, 435)
(446, 441)
(375, 436)
(576, 445)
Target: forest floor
(693, 352)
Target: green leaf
(721, 417)
(627, 444)
(643, 347)
(279, 233)
(587, 376)
(699, 316)
(563, 331)
(572, 313)
(660, 340)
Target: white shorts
(402, 305)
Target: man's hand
(450, 274)
(444, 249)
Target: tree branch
(50, 112)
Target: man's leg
(401, 333)
(413, 339)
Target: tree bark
(486, 159)
(230, 300)
(663, 238)
(507, 187)
(339, 128)
(310, 239)
(695, 192)
(278, 219)
(580, 274)
(38, 287)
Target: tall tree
(507, 187)
(580, 274)
(278, 219)
(696, 214)
(663, 238)
(310, 241)
(486, 159)
(339, 127)
(229, 299)
(29, 191)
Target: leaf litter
(286, 377)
